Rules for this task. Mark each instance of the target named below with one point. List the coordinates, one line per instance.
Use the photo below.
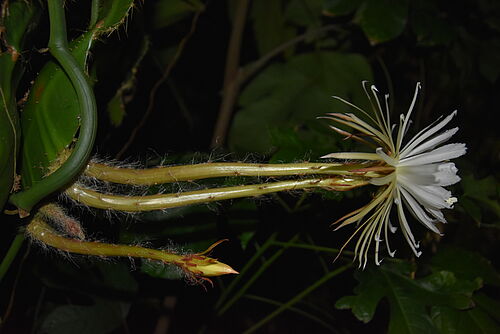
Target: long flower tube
(196, 266)
(168, 174)
(421, 170)
(95, 199)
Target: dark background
(451, 48)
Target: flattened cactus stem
(58, 45)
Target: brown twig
(238, 76)
(152, 94)
(231, 83)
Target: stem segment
(58, 45)
(165, 201)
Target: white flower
(419, 171)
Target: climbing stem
(58, 46)
(99, 200)
(167, 174)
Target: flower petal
(432, 143)
(442, 153)
(428, 196)
(426, 133)
(418, 212)
(405, 228)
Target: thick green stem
(169, 174)
(165, 201)
(58, 46)
(195, 264)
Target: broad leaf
(408, 298)
(18, 20)
(50, 117)
(477, 320)
(304, 13)
(296, 92)
(270, 28)
(484, 192)
(382, 20)
(168, 12)
(465, 265)
(340, 7)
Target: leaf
(382, 20)
(340, 7)
(294, 93)
(17, 22)
(126, 91)
(270, 28)
(50, 118)
(465, 265)
(100, 318)
(450, 321)
(484, 192)
(304, 13)
(168, 12)
(112, 14)
(408, 298)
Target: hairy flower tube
(197, 267)
(421, 171)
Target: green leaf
(484, 192)
(340, 7)
(295, 93)
(17, 22)
(126, 91)
(465, 265)
(112, 14)
(168, 12)
(451, 321)
(50, 118)
(270, 28)
(408, 298)
(100, 318)
(304, 13)
(382, 20)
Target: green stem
(223, 296)
(99, 200)
(58, 45)
(169, 174)
(298, 297)
(11, 254)
(312, 247)
(254, 277)
(94, 13)
(292, 309)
